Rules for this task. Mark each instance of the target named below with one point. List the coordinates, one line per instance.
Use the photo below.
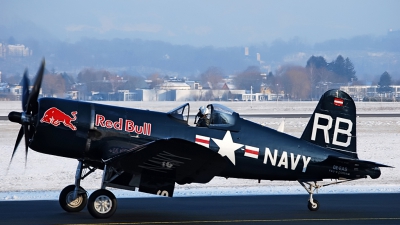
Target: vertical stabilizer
(333, 123)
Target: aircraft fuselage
(252, 152)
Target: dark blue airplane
(151, 151)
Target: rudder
(333, 123)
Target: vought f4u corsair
(151, 151)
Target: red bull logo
(55, 116)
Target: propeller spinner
(30, 108)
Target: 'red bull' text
(128, 125)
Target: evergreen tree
(11, 41)
(384, 83)
(68, 80)
(343, 68)
(350, 73)
(339, 66)
(317, 62)
(270, 79)
(271, 82)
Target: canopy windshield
(223, 118)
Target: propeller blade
(20, 134)
(26, 132)
(25, 90)
(29, 104)
(33, 97)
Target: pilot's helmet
(203, 110)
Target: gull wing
(174, 159)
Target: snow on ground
(45, 176)
(240, 107)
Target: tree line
(296, 82)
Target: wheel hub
(73, 203)
(103, 204)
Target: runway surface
(268, 209)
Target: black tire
(314, 207)
(70, 205)
(102, 204)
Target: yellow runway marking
(246, 221)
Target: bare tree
(295, 82)
(53, 84)
(212, 76)
(13, 79)
(133, 82)
(116, 82)
(95, 80)
(319, 79)
(251, 77)
(156, 79)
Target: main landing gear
(313, 204)
(73, 198)
(72, 201)
(100, 204)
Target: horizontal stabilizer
(351, 168)
(361, 163)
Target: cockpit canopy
(181, 112)
(221, 117)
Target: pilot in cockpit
(203, 121)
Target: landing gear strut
(313, 204)
(70, 203)
(73, 198)
(102, 203)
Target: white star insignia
(227, 147)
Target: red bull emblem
(55, 116)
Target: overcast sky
(220, 23)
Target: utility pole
(251, 96)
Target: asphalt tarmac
(268, 209)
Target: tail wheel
(102, 204)
(313, 207)
(67, 201)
